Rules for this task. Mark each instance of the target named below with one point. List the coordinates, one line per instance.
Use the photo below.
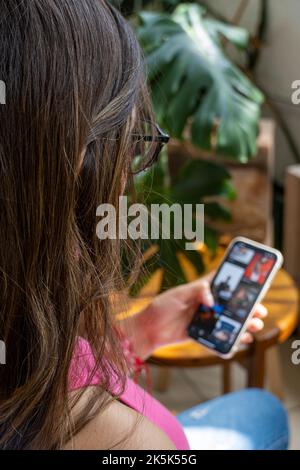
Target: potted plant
(200, 96)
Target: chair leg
(256, 368)
(226, 376)
(163, 378)
(274, 372)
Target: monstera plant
(194, 83)
(201, 96)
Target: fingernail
(209, 300)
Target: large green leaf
(200, 178)
(193, 81)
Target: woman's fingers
(260, 311)
(196, 292)
(247, 338)
(255, 325)
(206, 295)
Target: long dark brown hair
(75, 91)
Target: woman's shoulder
(119, 427)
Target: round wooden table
(282, 303)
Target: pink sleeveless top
(133, 396)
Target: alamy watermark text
(165, 221)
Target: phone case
(275, 268)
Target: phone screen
(235, 288)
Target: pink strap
(81, 375)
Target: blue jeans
(249, 419)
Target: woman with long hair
(75, 98)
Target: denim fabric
(249, 419)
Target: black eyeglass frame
(162, 139)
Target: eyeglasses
(159, 136)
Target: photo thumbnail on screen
(259, 268)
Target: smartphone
(241, 281)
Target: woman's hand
(165, 321)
